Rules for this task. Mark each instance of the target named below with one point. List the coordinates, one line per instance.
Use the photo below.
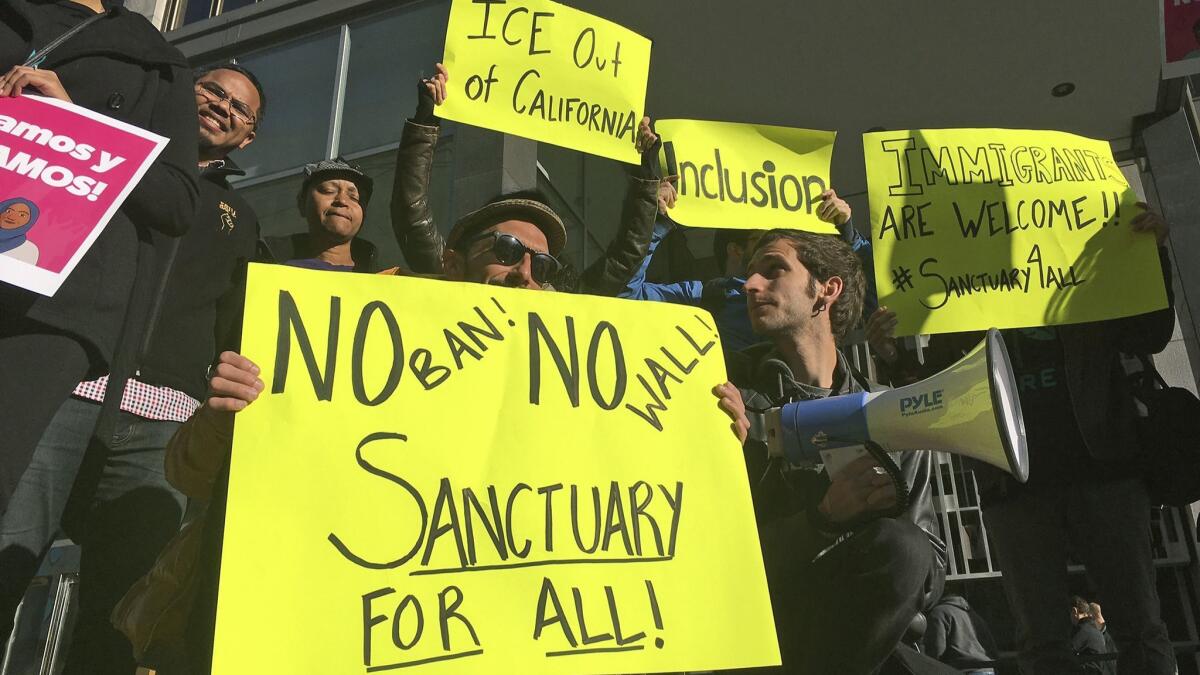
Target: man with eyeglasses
(111, 489)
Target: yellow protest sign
(546, 71)
(747, 176)
(464, 478)
(975, 228)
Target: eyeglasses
(213, 93)
(509, 251)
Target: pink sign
(64, 172)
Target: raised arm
(412, 219)
(683, 292)
(609, 274)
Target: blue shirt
(319, 265)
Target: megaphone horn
(969, 409)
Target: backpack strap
(38, 56)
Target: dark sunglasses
(214, 93)
(509, 250)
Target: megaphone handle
(893, 470)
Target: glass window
(298, 79)
(230, 5)
(196, 10)
(274, 203)
(388, 54)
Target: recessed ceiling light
(1063, 89)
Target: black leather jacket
(422, 244)
(765, 382)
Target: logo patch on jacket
(228, 217)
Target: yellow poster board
(546, 71)
(979, 228)
(747, 176)
(459, 478)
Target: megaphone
(970, 409)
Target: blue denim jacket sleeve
(684, 292)
(866, 256)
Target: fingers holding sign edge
(235, 383)
(730, 401)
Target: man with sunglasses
(121, 509)
(512, 241)
(423, 246)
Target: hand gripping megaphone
(969, 409)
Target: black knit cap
(329, 169)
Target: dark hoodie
(957, 636)
(208, 266)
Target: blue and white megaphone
(970, 409)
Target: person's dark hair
(1081, 605)
(721, 241)
(825, 256)
(1196, 26)
(244, 72)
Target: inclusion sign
(459, 478)
(979, 228)
(747, 176)
(545, 71)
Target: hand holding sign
(435, 87)
(833, 208)
(1150, 221)
(235, 383)
(44, 82)
(431, 92)
(730, 400)
(750, 176)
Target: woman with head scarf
(17, 216)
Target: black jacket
(1091, 647)
(766, 382)
(208, 265)
(122, 67)
(957, 635)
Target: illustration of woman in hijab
(18, 216)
